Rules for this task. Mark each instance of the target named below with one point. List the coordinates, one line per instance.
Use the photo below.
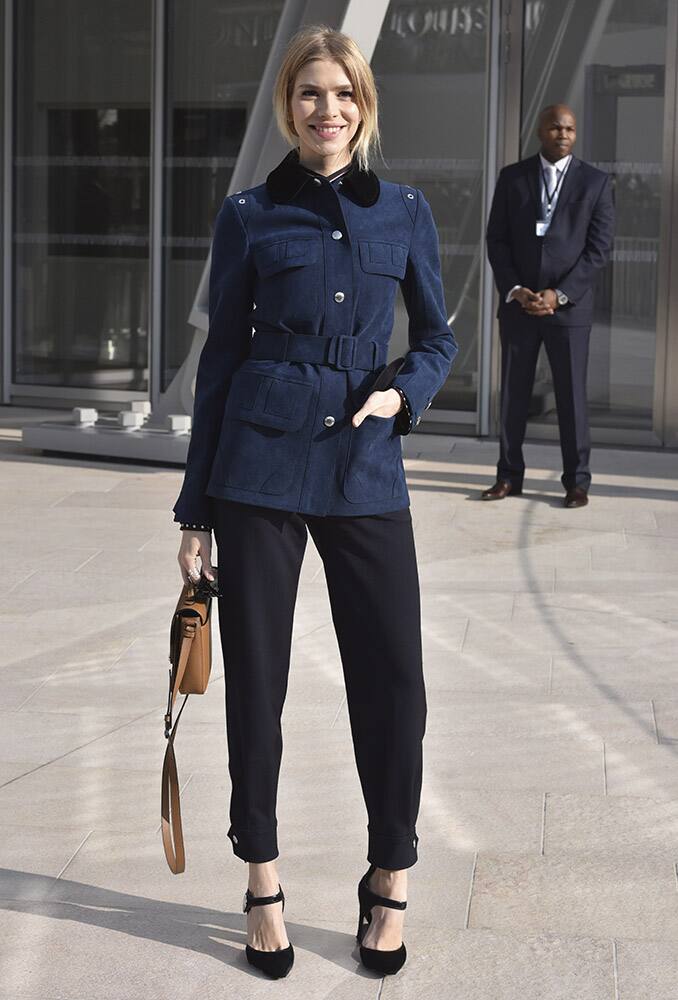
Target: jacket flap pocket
(285, 254)
(383, 258)
(271, 402)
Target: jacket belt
(344, 353)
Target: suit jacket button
(337, 234)
(329, 421)
(338, 296)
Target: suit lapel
(532, 164)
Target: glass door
(607, 61)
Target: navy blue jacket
(576, 245)
(303, 279)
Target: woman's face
(324, 114)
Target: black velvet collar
(287, 179)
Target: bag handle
(170, 806)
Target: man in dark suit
(550, 230)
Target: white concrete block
(141, 406)
(85, 415)
(130, 420)
(178, 423)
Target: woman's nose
(328, 106)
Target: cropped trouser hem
(392, 852)
(256, 846)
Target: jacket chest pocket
(287, 274)
(378, 257)
(263, 432)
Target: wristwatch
(562, 297)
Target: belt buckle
(337, 352)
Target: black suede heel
(386, 963)
(276, 964)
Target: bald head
(557, 131)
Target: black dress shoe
(386, 963)
(501, 489)
(576, 497)
(275, 964)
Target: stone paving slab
(611, 824)
(648, 970)
(569, 894)
(479, 964)
(548, 819)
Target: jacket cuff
(403, 421)
(191, 510)
(416, 400)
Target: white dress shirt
(555, 178)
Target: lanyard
(550, 196)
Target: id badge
(541, 227)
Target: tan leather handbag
(190, 657)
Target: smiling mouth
(327, 131)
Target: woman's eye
(347, 93)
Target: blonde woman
(297, 427)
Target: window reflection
(216, 57)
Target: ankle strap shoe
(275, 964)
(386, 963)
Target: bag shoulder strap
(184, 631)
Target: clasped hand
(542, 303)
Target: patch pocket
(374, 461)
(271, 402)
(377, 257)
(262, 433)
(285, 254)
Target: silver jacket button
(337, 234)
(338, 296)
(316, 180)
(329, 421)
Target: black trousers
(371, 571)
(567, 349)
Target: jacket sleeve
(227, 344)
(431, 341)
(498, 238)
(599, 240)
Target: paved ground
(549, 820)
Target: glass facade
(126, 122)
(80, 226)
(430, 65)
(216, 55)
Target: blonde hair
(318, 41)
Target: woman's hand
(194, 544)
(379, 404)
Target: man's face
(557, 132)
